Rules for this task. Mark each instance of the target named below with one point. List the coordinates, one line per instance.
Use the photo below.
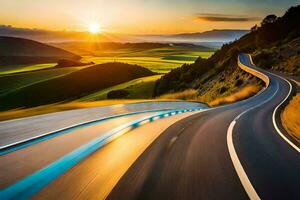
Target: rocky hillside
(274, 44)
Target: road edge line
(238, 166)
(234, 157)
(275, 112)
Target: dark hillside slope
(222, 65)
(24, 51)
(73, 86)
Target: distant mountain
(221, 35)
(24, 51)
(116, 49)
(213, 36)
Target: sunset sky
(139, 16)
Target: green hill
(73, 86)
(23, 51)
(275, 44)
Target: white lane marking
(234, 157)
(172, 141)
(238, 166)
(274, 116)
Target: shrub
(239, 82)
(117, 94)
(223, 89)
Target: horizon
(216, 36)
(9, 26)
(161, 17)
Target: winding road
(166, 150)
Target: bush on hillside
(117, 94)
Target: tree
(269, 19)
(254, 28)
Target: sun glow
(94, 28)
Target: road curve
(30, 169)
(237, 151)
(16, 130)
(94, 177)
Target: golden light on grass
(94, 28)
(244, 93)
(291, 117)
(189, 94)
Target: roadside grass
(141, 88)
(4, 70)
(243, 93)
(291, 117)
(189, 94)
(193, 95)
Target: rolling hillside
(275, 45)
(73, 86)
(160, 58)
(15, 51)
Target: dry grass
(242, 94)
(189, 94)
(291, 117)
(192, 95)
(18, 113)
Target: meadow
(11, 82)
(159, 59)
(13, 69)
(141, 88)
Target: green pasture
(141, 88)
(4, 70)
(160, 60)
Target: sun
(94, 28)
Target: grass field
(158, 58)
(72, 86)
(4, 70)
(12, 82)
(19, 79)
(138, 88)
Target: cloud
(224, 18)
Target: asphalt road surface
(237, 151)
(16, 130)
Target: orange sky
(138, 16)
